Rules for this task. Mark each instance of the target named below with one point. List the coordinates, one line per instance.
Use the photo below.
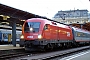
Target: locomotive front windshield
(32, 27)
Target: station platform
(9, 46)
(85, 55)
(82, 56)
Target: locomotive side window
(26, 27)
(32, 27)
(46, 27)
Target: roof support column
(14, 34)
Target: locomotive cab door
(46, 32)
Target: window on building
(70, 22)
(77, 22)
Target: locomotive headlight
(31, 29)
(22, 36)
(39, 36)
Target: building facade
(72, 16)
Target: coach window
(5, 35)
(84, 34)
(17, 36)
(46, 27)
(88, 35)
(0, 35)
(79, 34)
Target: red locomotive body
(43, 33)
(58, 32)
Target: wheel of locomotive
(49, 47)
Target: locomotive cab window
(46, 27)
(32, 27)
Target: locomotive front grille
(32, 43)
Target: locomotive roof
(50, 22)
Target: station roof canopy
(10, 14)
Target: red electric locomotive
(37, 32)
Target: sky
(47, 8)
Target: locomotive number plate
(29, 36)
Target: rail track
(11, 55)
(7, 54)
(15, 53)
(22, 55)
(53, 54)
